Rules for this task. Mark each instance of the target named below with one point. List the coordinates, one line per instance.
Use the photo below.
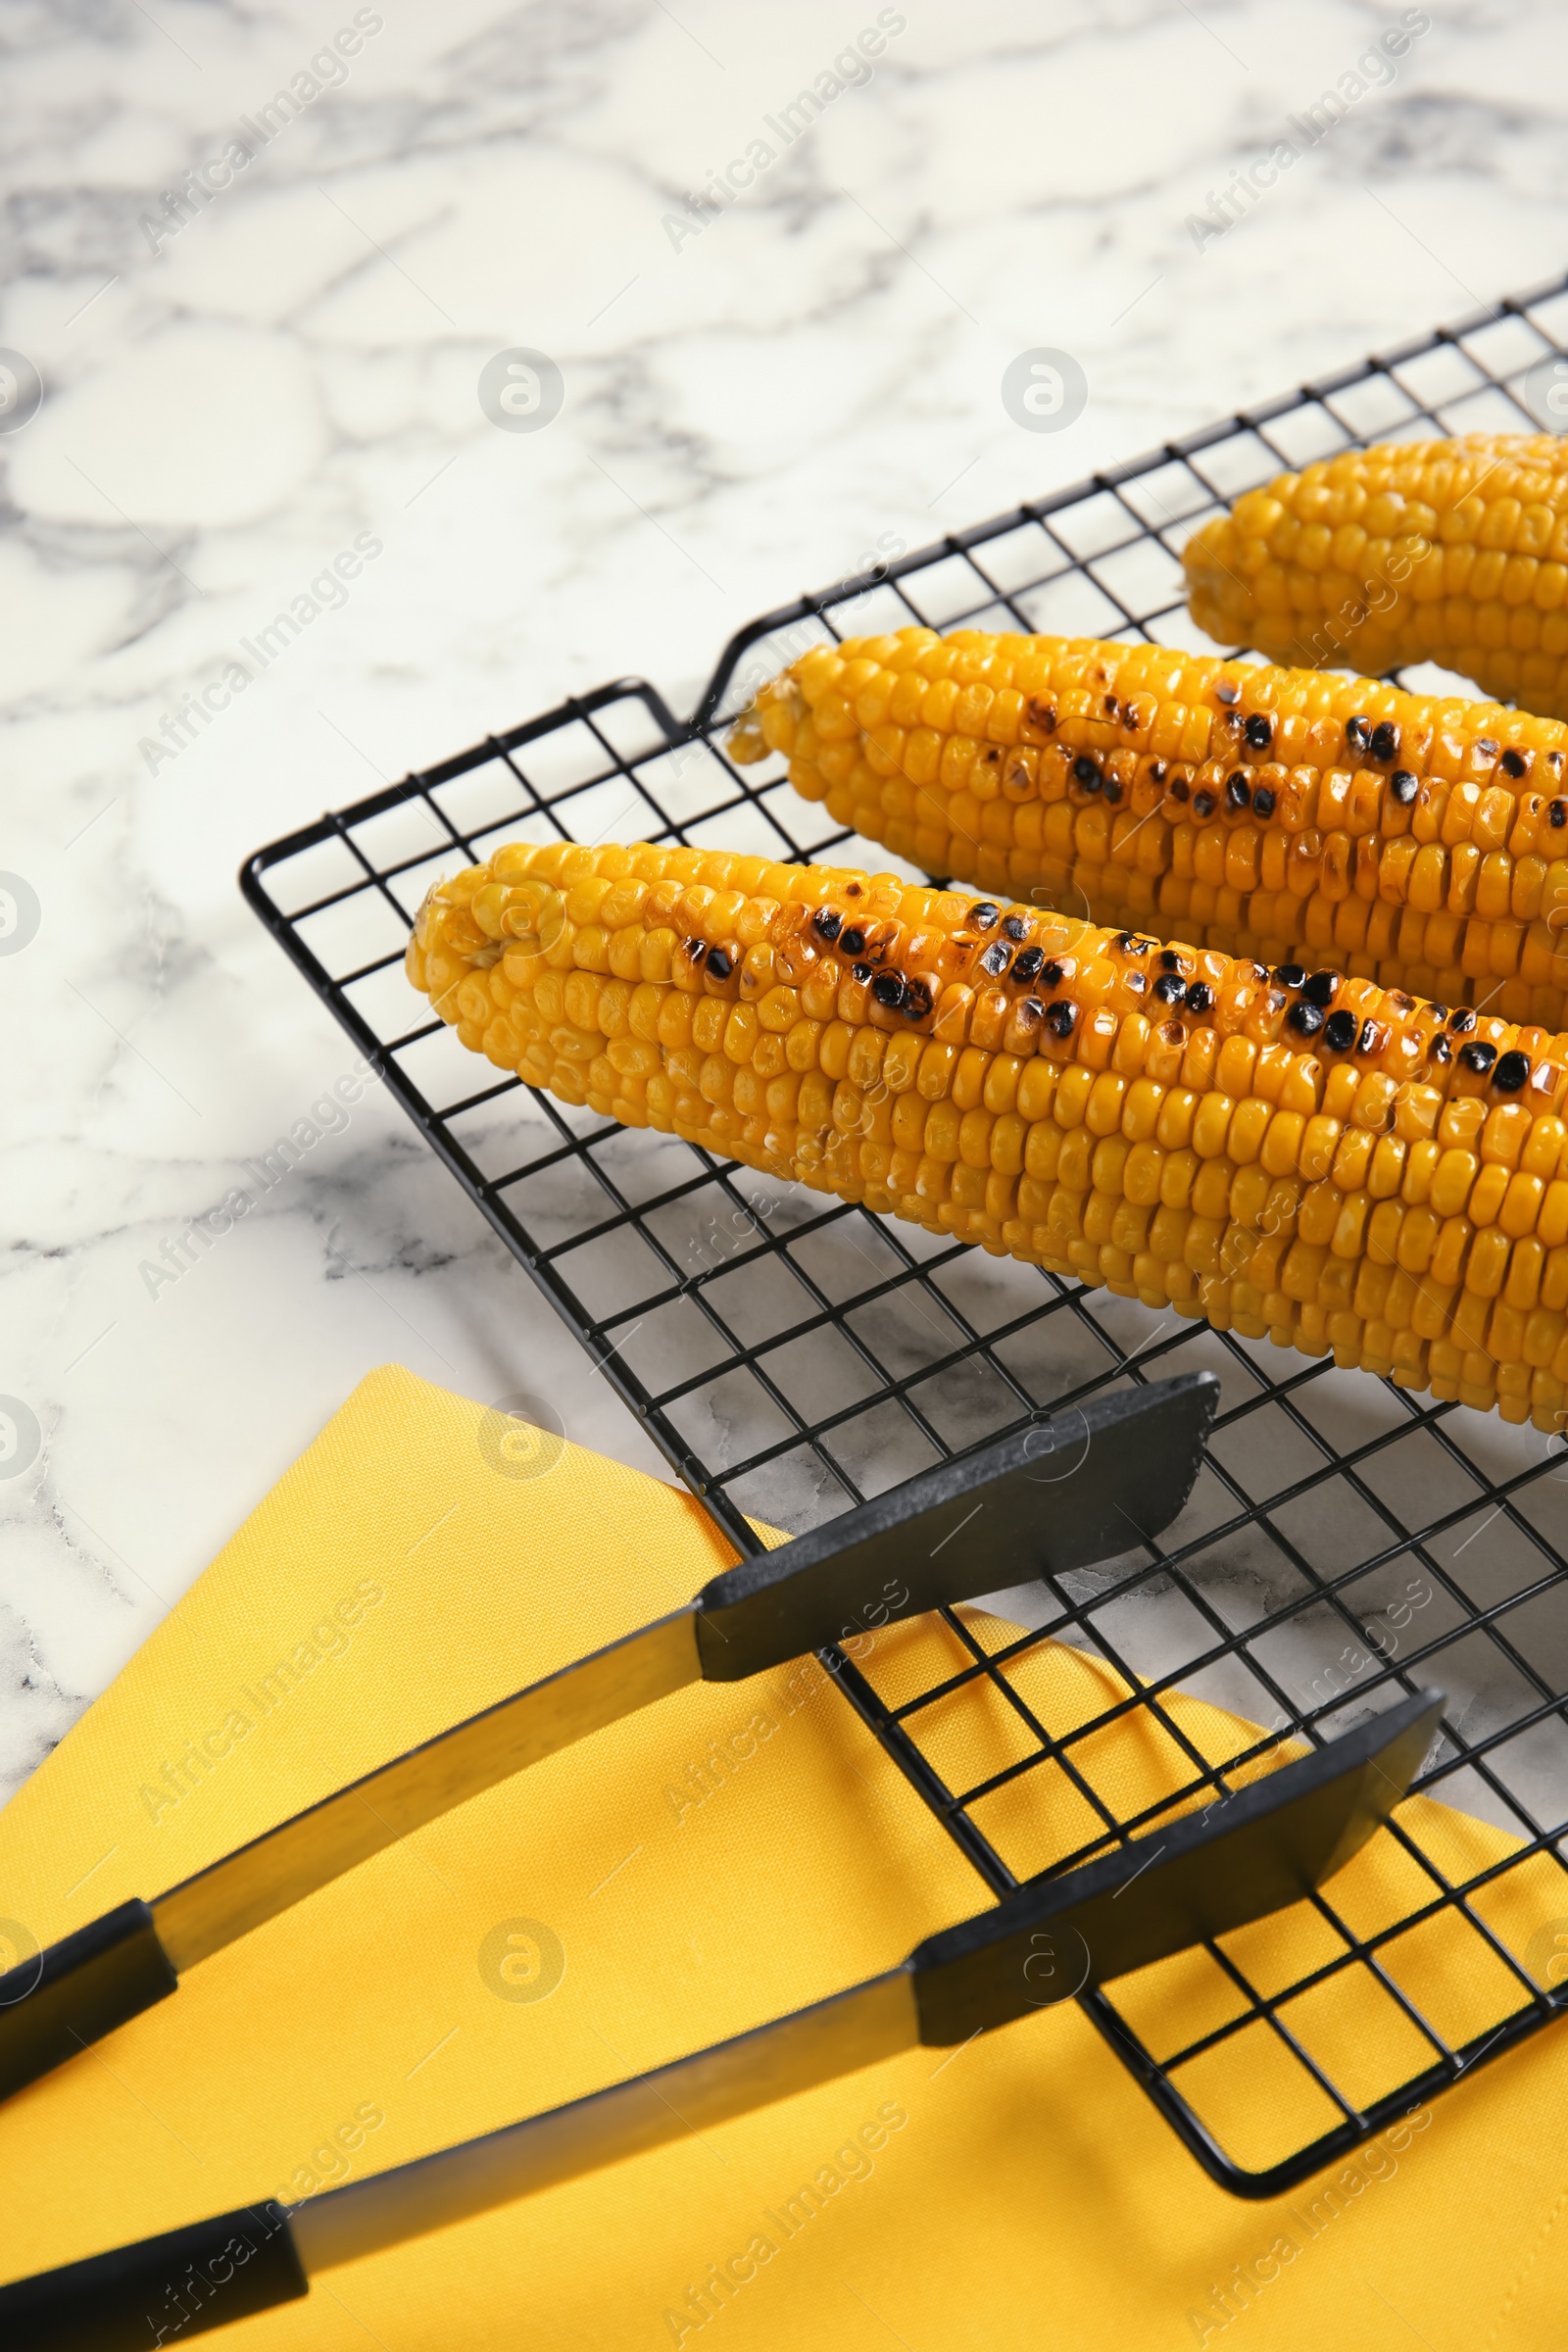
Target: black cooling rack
(790, 1354)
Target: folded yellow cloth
(728, 1854)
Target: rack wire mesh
(790, 1355)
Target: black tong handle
(78, 1989)
(160, 2290)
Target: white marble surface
(742, 418)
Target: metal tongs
(1045, 1501)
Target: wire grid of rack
(791, 1355)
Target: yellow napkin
(726, 1855)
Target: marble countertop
(250, 374)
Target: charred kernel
(1404, 786)
(1323, 988)
(1170, 988)
(1085, 772)
(1170, 961)
(1259, 730)
(1513, 764)
(1479, 1056)
(1135, 983)
(983, 916)
(1384, 740)
(1043, 716)
(1159, 771)
(696, 949)
(1305, 1018)
(1440, 1050)
(1442, 1011)
(1511, 1073)
(1199, 997)
(916, 1000)
(1339, 1032)
(1462, 1021)
(1110, 706)
(1358, 733)
(1237, 794)
(1557, 814)
(1029, 965)
(995, 959)
(1113, 790)
(1263, 800)
(1400, 1002)
(1226, 691)
(1373, 1037)
(1290, 976)
(1016, 928)
(719, 963)
(828, 922)
(852, 940)
(1181, 790)
(1203, 804)
(1060, 1017)
(852, 890)
(860, 971)
(1131, 945)
(1049, 974)
(1486, 747)
(890, 989)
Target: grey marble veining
(233, 404)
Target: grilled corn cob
(1278, 813)
(1416, 551)
(1302, 1156)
